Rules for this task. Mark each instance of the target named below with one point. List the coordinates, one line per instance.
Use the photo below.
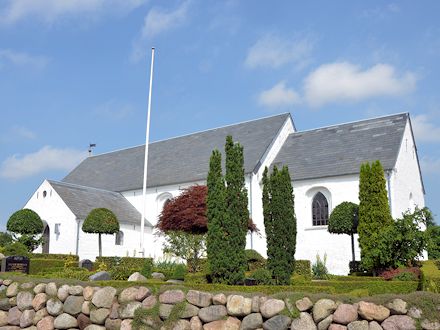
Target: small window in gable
(119, 239)
(319, 210)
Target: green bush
(179, 272)
(430, 277)
(405, 276)
(195, 278)
(147, 268)
(128, 262)
(303, 267)
(319, 269)
(80, 274)
(262, 276)
(42, 266)
(15, 249)
(166, 267)
(52, 256)
(254, 260)
(121, 273)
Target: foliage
(121, 272)
(128, 262)
(319, 269)
(433, 234)
(254, 260)
(70, 262)
(53, 256)
(355, 267)
(101, 221)
(405, 276)
(187, 246)
(393, 274)
(227, 215)
(186, 212)
(374, 217)
(279, 223)
(195, 278)
(170, 268)
(430, 276)
(303, 268)
(344, 220)
(5, 238)
(80, 274)
(38, 266)
(102, 266)
(405, 240)
(147, 268)
(262, 276)
(15, 249)
(27, 224)
(179, 272)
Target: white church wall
(407, 190)
(313, 240)
(53, 210)
(89, 247)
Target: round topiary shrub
(25, 222)
(262, 276)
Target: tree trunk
(352, 247)
(100, 245)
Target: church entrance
(46, 237)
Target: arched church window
(320, 210)
(119, 239)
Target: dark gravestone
(15, 264)
(86, 263)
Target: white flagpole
(147, 141)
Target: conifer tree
(374, 216)
(216, 214)
(280, 224)
(236, 221)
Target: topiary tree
(27, 224)
(5, 239)
(280, 224)
(344, 220)
(101, 221)
(375, 219)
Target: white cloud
(50, 11)
(47, 158)
(273, 51)
(343, 81)
(20, 59)
(430, 165)
(278, 96)
(424, 129)
(160, 20)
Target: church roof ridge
(79, 186)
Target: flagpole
(147, 141)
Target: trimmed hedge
(303, 267)
(430, 276)
(127, 262)
(40, 266)
(52, 256)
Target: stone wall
(56, 306)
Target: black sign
(15, 264)
(86, 263)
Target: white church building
(324, 165)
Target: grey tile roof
(340, 149)
(81, 200)
(177, 160)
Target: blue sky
(76, 71)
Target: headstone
(86, 263)
(15, 264)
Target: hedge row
(303, 267)
(430, 276)
(39, 266)
(52, 256)
(127, 262)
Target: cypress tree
(374, 216)
(237, 211)
(280, 224)
(216, 214)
